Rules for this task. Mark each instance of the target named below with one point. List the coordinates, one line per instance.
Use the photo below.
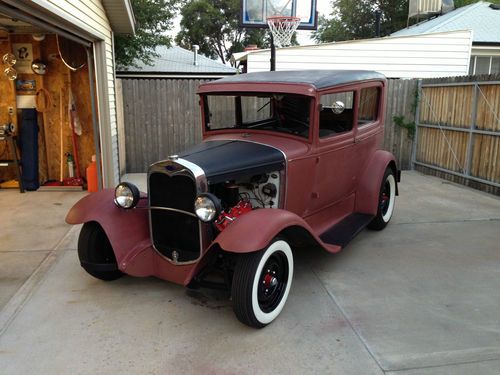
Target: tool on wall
(7, 136)
(43, 102)
(61, 141)
(75, 130)
(39, 67)
(72, 54)
(10, 60)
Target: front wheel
(386, 200)
(96, 254)
(261, 284)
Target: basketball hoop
(282, 28)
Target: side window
(368, 105)
(337, 113)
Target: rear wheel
(96, 254)
(387, 197)
(261, 284)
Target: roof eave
(492, 44)
(140, 74)
(120, 15)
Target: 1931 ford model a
(288, 159)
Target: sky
(303, 36)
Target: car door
(369, 127)
(336, 165)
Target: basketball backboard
(254, 13)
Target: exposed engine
(242, 196)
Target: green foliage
(461, 3)
(410, 126)
(153, 20)
(356, 19)
(214, 26)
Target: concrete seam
(449, 221)
(24, 293)
(445, 365)
(344, 315)
(26, 251)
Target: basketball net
(282, 28)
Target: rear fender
(127, 230)
(255, 230)
(367, 195)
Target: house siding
(424, 56)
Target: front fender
(367, 195)
(255, 230)
(127, 230)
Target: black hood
(227, 160)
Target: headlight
(207, 207)
(126, 195)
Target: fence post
(470, 145)
(417, 122)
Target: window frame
(364, 131)
(320, 107)
(473, 64)
(206, 132)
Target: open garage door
(48, 108)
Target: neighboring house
(419, 56)
(161, 115)
(176, 62)
(91, 24)
(483, 19)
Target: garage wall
(90, 16)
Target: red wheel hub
(270, 280)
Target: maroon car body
(301, 148)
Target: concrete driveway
(420, 297)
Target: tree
(461, 3)
(153, 20)
(356, 19)
(214, 26)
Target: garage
(57, 109)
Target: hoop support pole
(273, 54)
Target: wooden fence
(162, 117)
(458, 130)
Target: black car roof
(318, 78)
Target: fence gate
(458, 132)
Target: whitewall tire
(386, 201)
(261, 284)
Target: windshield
(263, 111)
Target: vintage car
(288, 159)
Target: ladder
(11, 143)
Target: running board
(343, 232)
